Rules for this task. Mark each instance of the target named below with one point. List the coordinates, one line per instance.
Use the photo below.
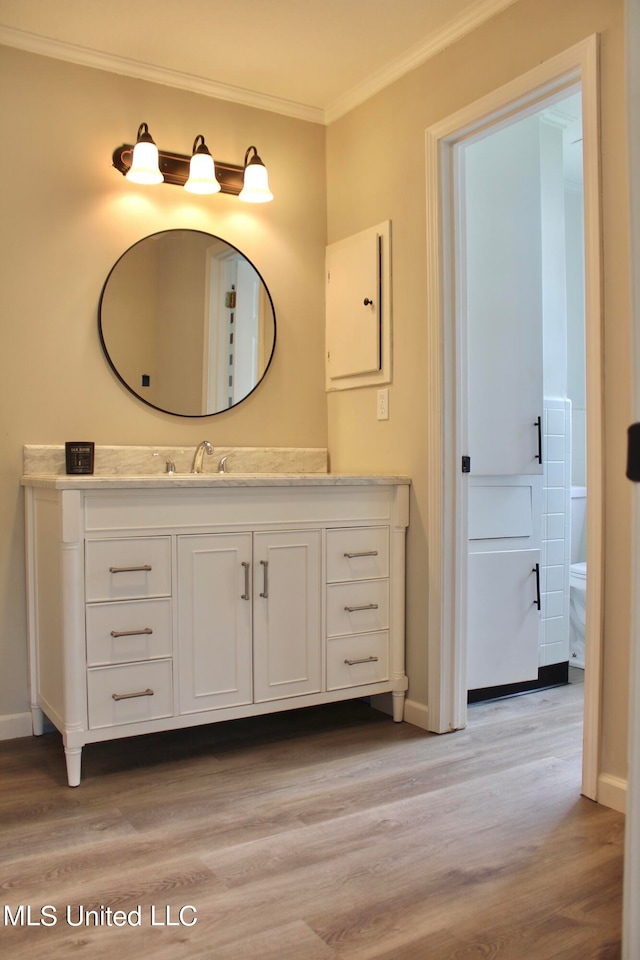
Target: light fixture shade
(144, 163)
(202, 171)
(256, 182)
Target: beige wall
(376, 171)
(67, 215)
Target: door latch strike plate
(633, 453)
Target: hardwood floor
(323, 834)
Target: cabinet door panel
(214, 622)
(502, 296)
(353, 305)
(503, 619)
(287, 620)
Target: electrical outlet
(383, 404)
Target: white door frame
(447, 691)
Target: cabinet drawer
(128, 569)
(361, 606)
(142, 631)
(357, 553)
(353, 661)
(153, 680)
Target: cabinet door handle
(366, 606)
(538, 424)
(128, 696)
(265, 570)
(132, 633)
(144, 568)
(365, 553)
(351, 663)
(536, 570)
(245, 595)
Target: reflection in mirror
(187, 323)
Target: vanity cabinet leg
(73, 756)
(37, 720)
(398, 707)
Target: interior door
(500, 289)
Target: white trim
(612, 792)
(446, 654)
(469, 20)
(631, 896)
(416, 714)
(13, 725)
(86, 57)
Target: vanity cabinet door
(287, 614)
(214, 621)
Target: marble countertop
(207, 480)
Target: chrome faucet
(222, 466)
(198, 457)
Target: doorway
(519, 281)
(448, 513)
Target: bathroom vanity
(166, 601)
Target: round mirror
(187, 323)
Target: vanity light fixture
(202, 171)
(142, 162)
(256, 181)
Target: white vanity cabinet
(156, 604)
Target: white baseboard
(14, 725)
(417, 714)
(612, 792)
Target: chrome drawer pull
(129, 696)
(145, 568)
(366, 553)
(366, 606)
(265, 567)
(352, 663)
(245, 595)
(147, 631)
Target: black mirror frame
(105, 351)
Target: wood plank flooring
(322, 834)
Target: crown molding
(468, 21)
(415, 57)
(86, 57)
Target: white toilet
(578, 576)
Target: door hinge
(466, 464)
